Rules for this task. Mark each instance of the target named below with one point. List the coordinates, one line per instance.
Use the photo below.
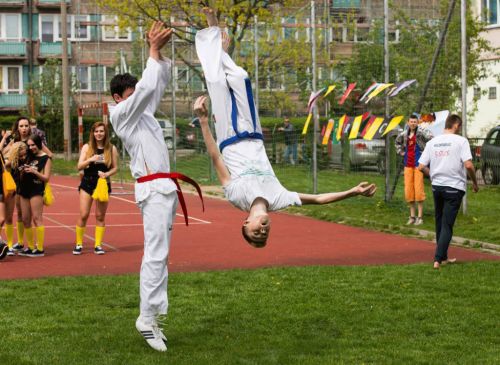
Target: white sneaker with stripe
(152, 333)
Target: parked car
(490, 157)
(168, 132)
(361, 152)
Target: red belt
(174, 176)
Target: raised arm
(201, 111)
(364, 189)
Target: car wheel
(489, 175)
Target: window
(492, 93)
(477, 92)
(10, 27)
(112, 32)
(77, 27)
(182, 79)
(490, 11)
(11, 79)
(289, 28)
(493, 137)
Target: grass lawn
(309, 315)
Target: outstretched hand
(366, 189)
(200, 109)
(158, 36)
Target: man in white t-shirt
(448, 157)
(239, 155)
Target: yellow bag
(9, 185)
(101, 191)
(48, 197)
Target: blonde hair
(14, 153)
(108, 147)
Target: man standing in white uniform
(449, 157)
(242, 164)
(134, 122)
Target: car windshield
(162, 123)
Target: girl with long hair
(34, 176)
(98, 159)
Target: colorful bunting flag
(401, 86)
(393, 124)
(347, 92)
(306, 125)
(313, 98)
(355, 127)
(369, 90)
(341, 126)
(328, 131)
(368, 125)
(374, 128)
(329, 90)
(377, 91)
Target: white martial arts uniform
(134, 122)
(238, 130)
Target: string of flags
(370, 126)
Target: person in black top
(34, 175)
(98, 158)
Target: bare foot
(211, 17)
(436, 265)
(226, 41)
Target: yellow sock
(30, 238)
(99, 234)
(20, 232)
(40, 237)
(9, 232)
(80, 231)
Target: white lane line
(73, 230)
(78, 214)
(124, 225)
(133, 202)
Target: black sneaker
(3, 250)
(18, 247)
(36, 253)
(99, 251)
(77, 250)
(25, 252)
(11, 252)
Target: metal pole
(256, 61)
(65, 83)
(463, 31)
(174, 85)
(315, 109)
(386, 80)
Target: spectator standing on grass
(290, 141)
(98, 159)
(410, 143)
(447, 158)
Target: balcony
(13, 101)
(52, 50)
(50, 4)
(13, 50)
(11, 4)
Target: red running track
(211, 242)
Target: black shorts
(28, 192)
(89, 183)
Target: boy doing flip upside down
(239, 156)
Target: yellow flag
(308, 120)
(341, 126)
(329, 90)
(328, 131)
(377, 91)
(373, 128)
(393, 124)
(355, 127)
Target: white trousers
(158, 214)
(228, 86)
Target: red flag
(368, 125)
(347, 92)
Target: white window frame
(294, 27)
(486, 11)
(492, 93)
(185, 81)
(3, 30)
(106, 22)
(5, 80)
(71, 31)
(89, 75)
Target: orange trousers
(414, 185)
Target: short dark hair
(452, 120)
(414, 116)
(120, 83)
(253, 243)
